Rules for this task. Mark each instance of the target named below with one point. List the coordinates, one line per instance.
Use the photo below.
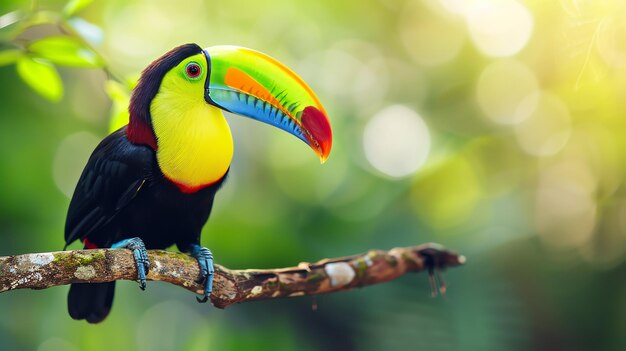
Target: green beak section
(252, 84)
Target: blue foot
(205, 261)
(141, 257)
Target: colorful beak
(252, 84)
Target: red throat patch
(139, 132)
(189, 189)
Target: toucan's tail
(90, 301)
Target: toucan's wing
(113, 176)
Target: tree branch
(44, 270)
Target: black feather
(109, 182)
(91, 302)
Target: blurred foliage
(495, 127)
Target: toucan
(151, 184)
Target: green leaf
(121, 98)
(10, 56)
(41, 76)
(117, 92)
(65, 51)
(74, 6)
(118, 119)
(131, 80)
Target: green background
(518, 107)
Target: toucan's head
(234, 79)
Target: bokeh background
(496, 128)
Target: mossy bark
(44, 270)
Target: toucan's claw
(205, 261)
(141, 257)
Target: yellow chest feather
(195, 146)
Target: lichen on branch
(44, 270)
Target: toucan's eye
(193, 70)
